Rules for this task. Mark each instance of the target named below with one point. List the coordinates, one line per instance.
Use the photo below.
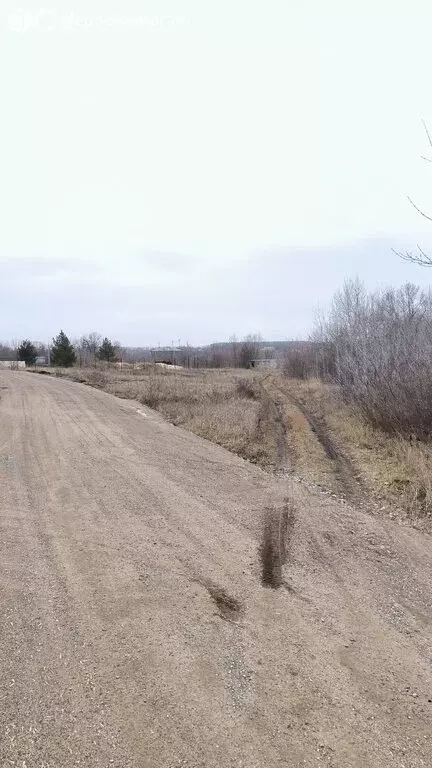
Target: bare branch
(429, 218)
(425, 258)
(421, 258)
(427, 133)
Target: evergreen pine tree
(62, 351)
(27, 352)
(107, 351)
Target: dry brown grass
(223, 406)
(397, 472)
(235, 409)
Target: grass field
(395, 471)
(224, 406)
(252, 413)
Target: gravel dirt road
(136, 630)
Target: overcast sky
(190, 169)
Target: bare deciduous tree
(7, 352)
(420, 257)
(382, 343)
(88, 348)
(249, 349)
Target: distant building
(269, 363)
(165, 355)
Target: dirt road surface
(136, 631)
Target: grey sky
(192, 170)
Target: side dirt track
(165, 603)
(308, 444)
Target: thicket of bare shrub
(382, 344)
(297, 363)
(313, 360)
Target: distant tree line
(62, 352)
(93, 348)
(227, 354)
(301, 359)
(88, 350)
(24, 350)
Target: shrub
(246, 389)
(383, 352)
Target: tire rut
(272, 414)
(343, 471)
(277, 534)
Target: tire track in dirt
(271, 413)
(342, 469)
(277, 534)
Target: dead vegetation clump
(246, 388)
